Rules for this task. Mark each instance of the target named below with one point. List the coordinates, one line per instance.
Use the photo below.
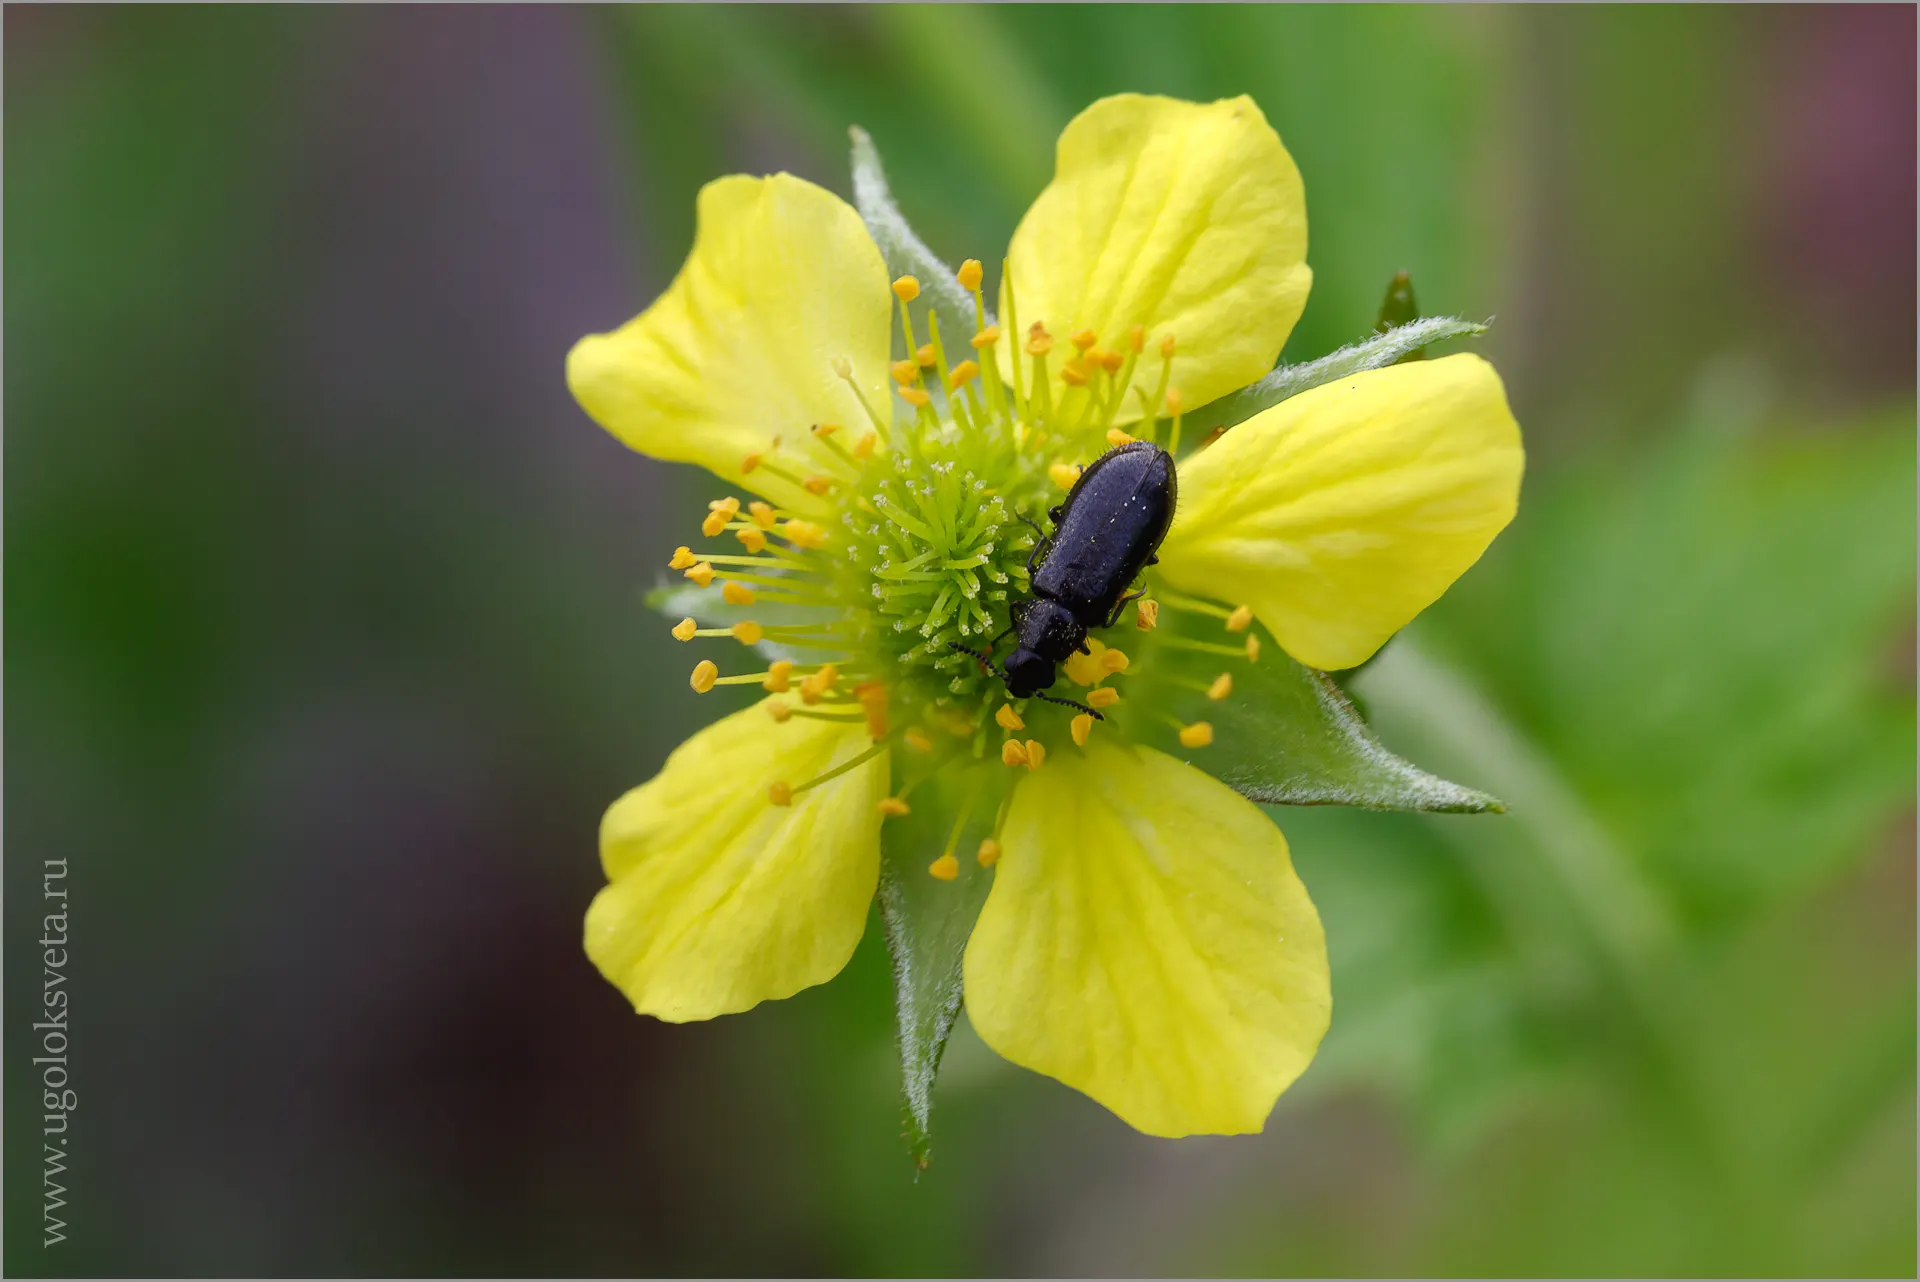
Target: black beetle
(1104, 533)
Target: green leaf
(941, 296)
(1285, 734)
(928, 920)
(1396, 344)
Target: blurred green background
(325, 649)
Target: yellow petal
(1185, 218)
(783, 283)
(1340, 514)
(720, 899)
(1147, 942)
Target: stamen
(915, 397)
(1114, 661)
(1241, 617)
(1013, 753)
(1253, 648)
(702, 574)
(849, 764)
(1147, 615)
(779, 709)
(946, 868)
(1036, 753)
(963, 373)
(684, 630)
(1222, 687)
(804, 534)
(1085, 339)
(1102, 697)
(989, 853)
(916, 738)
(755, 541)
(819, 683)
(1197, 735)
(818, 484)
(736, 594)
(1064, 474)
(893, 806)
(1117, 437)
(925, 353)
(1008, 718)
(906, 373)
(747, 632)
(1073, 374)
(865, 445)
(985, 338)
(1080, 727)
(763, 514)
(906, 289)
(1173, 408)
(779, 676)
(970, 274)
(705, 673)
(780, 794)
(682, 558)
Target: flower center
(889, 614)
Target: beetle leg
(1122, 604)
(1039, 553)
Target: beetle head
(1028, 673)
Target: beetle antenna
(1030, 521)
(1068, 703)
(985, 660)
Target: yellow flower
(1145, 939)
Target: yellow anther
(1137, 338)
(1063, 474)
(1084, 339)
(905, 372)
(1173, 400)
(748, 463)
(841, 366)
(915, 397)
(1114, 661)
(989, 853)
(804, 534)
(864, 446)
(762, 513)
(684, 630)
(1108, 361)
(893, 806)
(946, 868)
(824, 430)
(701, 574)
(970, 274)
(714, 523)
(747, 632)
(1036, 753)
(818, 484)
(730, 505)
(963, 373)
(1039, 342)
(1102, 697)
(1253, 648)
(778, 709)
(1013, 753)
(1008, 718)
(916, 739)
(682, 558)
(1085, 669)
(1166, 347)
(1241, 617)
(779, 676)
(780, 794)
(924, 355)
(1117, 437)
(755, 541)
(736, 593)
(906, 289)
(986, 337)
(705, 673)
(1080, 728)
(1197, 735)
(1146, 615)
(1073, 374)
(1222, 687)
(958, 725)
(818, 684)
